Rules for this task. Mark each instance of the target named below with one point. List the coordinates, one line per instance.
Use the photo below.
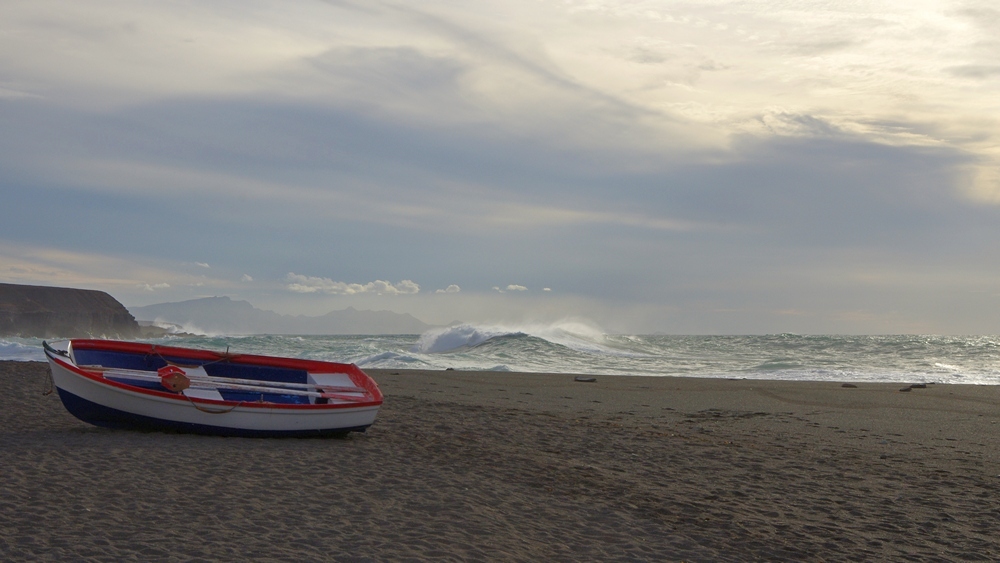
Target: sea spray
(462, 336)
(573, 334)
(21, 350)
(578, 348)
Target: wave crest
(386, 359)
(456, 337)
(21, 350)
(574, 334)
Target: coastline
(525, 467)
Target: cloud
(974, 71)
(154, 287)
(511, 287)
(310, 284)
(787, 124)
(118, 274)
(626, 151)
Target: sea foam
(573, 347)
(21, 350)
(576, 335)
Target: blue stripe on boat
(262, 373)
(107, 417)
(151, 362)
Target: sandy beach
(523, 467)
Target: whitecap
(461, 336)
(386, 359)
(21, 350)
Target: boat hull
(107, 417)
(97, 400)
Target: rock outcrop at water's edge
(47, 312)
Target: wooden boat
(142, 386)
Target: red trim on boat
(358, 377)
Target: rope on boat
(211, 411)
(52, 384)
(174, 379)
(223, 357)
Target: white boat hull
(97, 400)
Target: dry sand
(523, 467)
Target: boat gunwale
(98, 378)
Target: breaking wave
(387, 360)
(21, 350)
(575, 335)
(579, 347)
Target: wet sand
(523, 467)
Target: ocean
(579, 348)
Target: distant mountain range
(222, 315)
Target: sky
(706, 167)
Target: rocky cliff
(47, 312)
